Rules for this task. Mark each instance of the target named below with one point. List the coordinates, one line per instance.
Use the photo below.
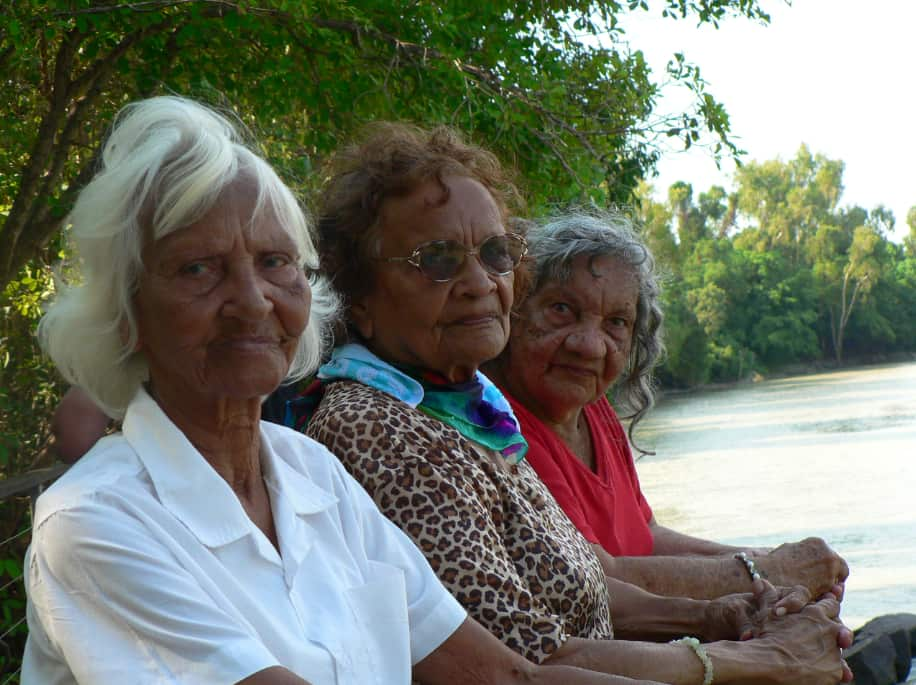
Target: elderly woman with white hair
(199, 545)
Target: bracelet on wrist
(700, 651)
(748, 563)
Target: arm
(472, 655)
(77, 425)
(803, 647)
(809, 563)
(695, 577)
(641, 615)
(667, 542)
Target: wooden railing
(30, 485)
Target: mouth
(474, 320)
(579, 371)
(250, 343)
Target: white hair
(166, 163)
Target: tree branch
(41, 152)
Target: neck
(561, 420)
(569, 424)
(225, 431)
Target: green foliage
(554, 87)
(29, 391)
(801, 281)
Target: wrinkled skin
(744, 616)
(810, 642)
(810, 562)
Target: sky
(837, 75)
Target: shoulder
(358, 422)
(111, 469)
(352, 403)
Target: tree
(789, 200)
(526, 77)
(910, 240)
(847, 262)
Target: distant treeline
(776, 273)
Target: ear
(361, 319)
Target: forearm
(473, 656)
(640, 615)
(667, 663)
(668, 542)
(695, 577)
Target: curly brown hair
(392, 159)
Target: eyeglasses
(441, 260)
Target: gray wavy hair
(165, 164)
(555, 242)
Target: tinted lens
(501, 254)
(441, 260)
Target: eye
(276, 260)
(199, 268)
(617, 323)
(560, 308)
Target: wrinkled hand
(731, 617)
(806, 645)
(810, 563)
(743, 616)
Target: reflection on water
(832, 455)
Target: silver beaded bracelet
(700, 651)
(749, 565)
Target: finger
(764, 592)
(839, 590)
(793, 601)
(829, 606)
(847, 672)
(844, 638)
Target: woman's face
(571, 340)
(451, 327)
(221, 303)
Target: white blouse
(145, 568)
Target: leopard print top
(492, 533)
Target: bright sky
(837, 75)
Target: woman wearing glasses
(413, 235)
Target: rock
(883, 650)
(872, 661)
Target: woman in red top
(592, 320)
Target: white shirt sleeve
(116, 606)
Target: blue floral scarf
(476, 409)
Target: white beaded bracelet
(749, 565)
(700, 651)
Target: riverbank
(807, 369)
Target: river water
(830, 454)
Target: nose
(587, 342)
(473, 280)
(247, 296)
